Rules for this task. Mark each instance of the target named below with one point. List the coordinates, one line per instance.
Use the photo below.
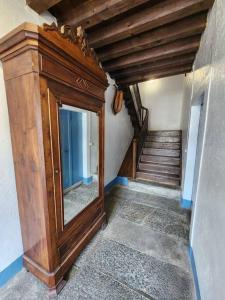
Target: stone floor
(142, 254)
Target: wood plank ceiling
(137, 40)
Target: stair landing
(160, 160)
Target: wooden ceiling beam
(187, 27)
(188, 45)
(154, 66)
(146, 19)
(92, 12)
(41, 5)
(155, 75)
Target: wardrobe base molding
(56, 280)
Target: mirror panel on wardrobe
(79, 130)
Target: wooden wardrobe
(45, 68)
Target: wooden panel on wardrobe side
(27, 142)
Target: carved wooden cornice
(74, 35)
(63, 43)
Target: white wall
(118, 135)
(187, 96)
(12, 13)
(163, 97)
(208, 217)
(191, 152)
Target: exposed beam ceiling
(154, 66)
(172, 49)
(143, 20)
(157, 74)
(137, 40)
(159, 36)
(93, 12)
(41, 5)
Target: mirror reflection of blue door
(71, 146)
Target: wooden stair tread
(158, 179)
(160, 145)
(160, 159)
(161, 152)
(163, 139)
(162, 168)
(158, 163)
(159, 174)
(165, 133)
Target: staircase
(160, 159)
(153, 156)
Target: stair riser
(159, 168)
(157, 179)
(161, 152)
(174, 146)
(163, 139)
(176, 133)
(160, 160)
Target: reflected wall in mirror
(79, 130)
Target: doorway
(71, 148)
(194, 145)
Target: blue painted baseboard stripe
(195, 275)
(11, 270)
(186, 203)
(87, 180)
(115, 181)
(122, 180)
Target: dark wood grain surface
(42, 71)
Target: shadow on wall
(164, 98)
(118, 135)
(193, 150)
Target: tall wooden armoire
(46, 70)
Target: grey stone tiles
(148, 241)
(156, 214)
(147, 199)
(24, 286)
(90, 283)
(142, 254)
(142, 272)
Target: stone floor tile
(24, 286)
(148, 200)
(142, 272)
(168, 223)
(150, 242)
(91, 284)
(126, 209)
